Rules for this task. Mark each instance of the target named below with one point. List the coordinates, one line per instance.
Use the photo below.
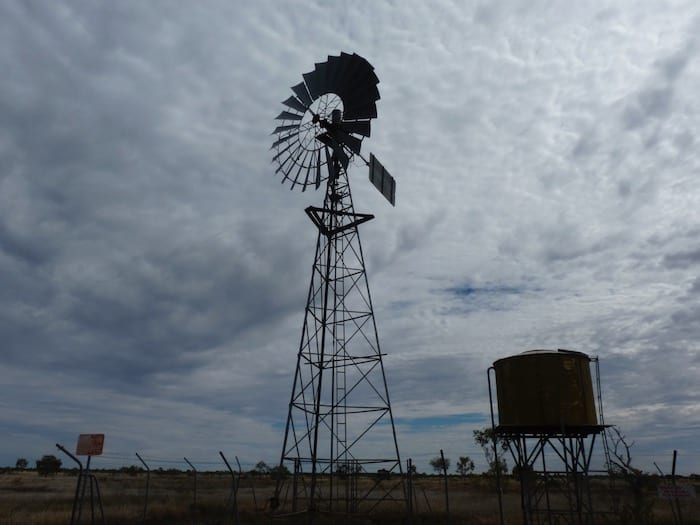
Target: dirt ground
(29, 499)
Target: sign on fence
(90, 444)
(681, 491)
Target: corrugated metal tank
(545, 389)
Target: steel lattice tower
(339, 411)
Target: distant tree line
(49, 464)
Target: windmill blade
(315, 156)
(317, 182)
(362, 78)
(286, 115)
(283, 139)
(345, 71)
(329, 161)
(361, 112)
(301, 92)
(280, 129)
(301, 167)
(348, 140)
(294, 103)
(285, 165)
(318, 80)
(334, 68)
(283, 151)
(359, 127)
(325, 138)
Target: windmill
(340, 422)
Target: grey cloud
(154, 270)
(683, 259)
(650, 103)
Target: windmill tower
(339, 425)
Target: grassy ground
(28, 499)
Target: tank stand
(553, 472)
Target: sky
(154, 270)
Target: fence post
(233, 497)
(447, 494)
(78, 485)
(675, 494)
(148, 482)
(409, 488)
(195, 480)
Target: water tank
(545, 390)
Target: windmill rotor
(330, 109)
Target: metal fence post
(148, 482)
(195, 480)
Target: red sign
(90, 444)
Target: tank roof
(541, 351)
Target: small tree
(485, 439)
(279, 472)
(640, 510)
(438, 464)
(465, 466)
(48, 465)
(21, 464)
(261, 468)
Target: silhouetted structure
(339, 412)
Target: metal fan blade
(286, 115)
(281, 152)
(362, 76)
(294, 103)
(286, 165)
(351, 142)
(329, 162)
(362, 96)
(349, 68)
(316, 80)
(367, 67)
(325, 138)
(317, 182)
(301, 167)
(332, 73)
(283, 139)
(302, 93)
(281, 168)
(361, 112)
(314, 156)
(306, 180)
(279, 129)
(359, 127)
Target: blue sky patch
(468, 290)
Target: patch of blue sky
(469, 291)
(422, 423)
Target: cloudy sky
(154, 270)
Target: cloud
(155, 271)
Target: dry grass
(28, 499)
